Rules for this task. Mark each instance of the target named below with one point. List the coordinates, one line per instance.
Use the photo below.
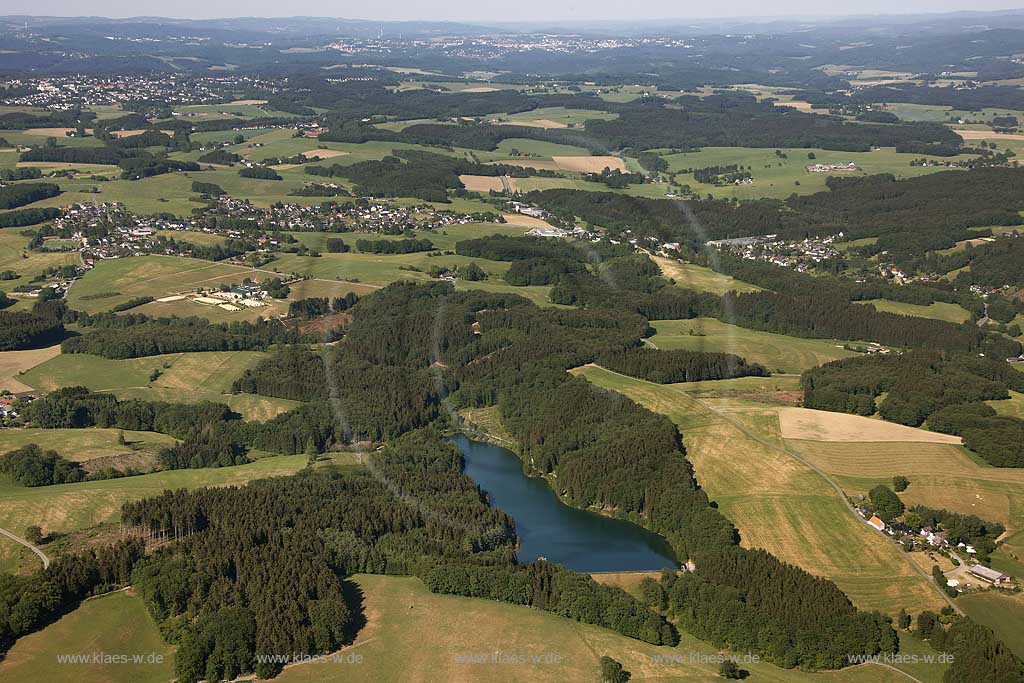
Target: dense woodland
(669, 367)
(943, 390)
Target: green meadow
(776, 352)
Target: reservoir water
(581, 540)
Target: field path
(19, 539)
(786, 450)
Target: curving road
(19, 539)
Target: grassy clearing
(156, 276)
(189, 377)
(1002, 612)
(938, 310)
(72, 507)
(117, 623)
(1011, 407)
(776, 352)
(13, 363)
(14, 255)
(691, 276)
(398, 606)
(777, 502)
(779, 177)
(83, 445)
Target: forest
(669, 367)
(944, 391)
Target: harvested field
(520, 219)
(534, 123)
(796, 104)
(986, 135)
(777, 502)
(252, 102)
(584, 164)
(482, 183)
(480, 88)
(822, 425)
(52, 132)
(325, 153)
(138, 131)
(13, 362)
(540, 164)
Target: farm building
(877, 523)
(990, 575)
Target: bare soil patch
(821, 425)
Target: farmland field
(71, 507)
(692, 276)
(938, 310)
(190, 377)
(83, 445)
(1002, 612)
(779, 503)
(775, 351)
(117, 623)
(779, 177)
(12, 363)
(382, 652)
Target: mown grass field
(14, 255)
(692, 276)
(83, 445)
(13, 363)
(384, 652)
(938, 310)
(73, 507)
(941, 476)
(398, 606)
(1002, 612)
(776, 352)
(155, 276)
(189, 377)
(780, 177)
(117, 623)
(779, 503)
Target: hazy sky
(474, 10)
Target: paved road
(19, 539)
(799, 458)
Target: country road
(19, 539)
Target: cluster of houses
(936, 539)
(832, 168)
(798, 255)
(68, 92)
(9, 403)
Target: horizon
(798, 10)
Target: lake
(579, 539)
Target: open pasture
(189, 377)
(938, 310)
(778, 177)
(114, 623)
(72, 507)
(700, 278)
(13, 363)
(777, 502)
(776, 352)
(156, 276)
